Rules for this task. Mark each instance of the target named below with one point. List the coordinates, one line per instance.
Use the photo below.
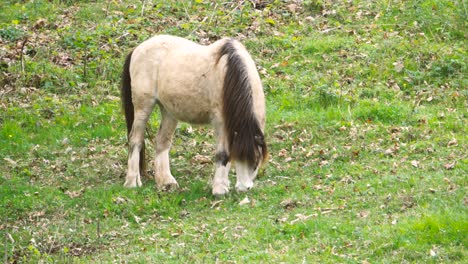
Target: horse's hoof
(218, 196)
(220, 190)
(240, 187)
(169, 187)
(130, 184)
(166, 183)
(133, 183)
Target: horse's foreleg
(136, 144)
(221, 177)
(163, 176)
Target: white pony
(216, 84)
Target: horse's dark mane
(245, 137)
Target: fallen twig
(21, 54)
(301, 217)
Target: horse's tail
(127, 106)
(245, 137)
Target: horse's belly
(195, 108)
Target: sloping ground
(366, 127)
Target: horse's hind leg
(221, 179)
(133, 178)
(163, 176)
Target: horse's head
(243, 112)
(247, 170)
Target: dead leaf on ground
(12, 162)
(433, 251)
(36, 214)
(74, 194)
(283, 153)
(449, 166)
(452, 142)
(137, 219)
(40, 23)
(390, 151)
(398, 66)
(177, 233)
(244, 201)
(292, 8)
(289, 204)
(119, 200)
(415, 163)
(323, 163)
(364, 214)
(201, 159)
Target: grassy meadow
(366, 127)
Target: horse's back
(181, 75)
(152, 54)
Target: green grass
(366, 126)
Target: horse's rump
(127, 106)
